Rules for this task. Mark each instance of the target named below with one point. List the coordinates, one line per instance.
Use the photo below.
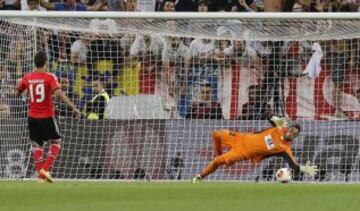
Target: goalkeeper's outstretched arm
(308, 168)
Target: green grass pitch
(167, 196)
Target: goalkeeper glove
(280, 122)
(309, 169)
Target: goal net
(173, 80)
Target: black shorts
(43, 129)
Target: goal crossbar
(180, 15)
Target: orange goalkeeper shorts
(235, 143)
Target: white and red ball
(283, 175)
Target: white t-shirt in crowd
(139, 45)
(146, 5)
(25, 6)
(177, 54)
(247, 51)
(198, 47)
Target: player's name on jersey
(34, 81)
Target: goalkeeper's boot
(196, 179)
(47, 175)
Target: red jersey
(40, 86)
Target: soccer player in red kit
(40, 86)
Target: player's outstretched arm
(60, 94)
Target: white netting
(260, 29)
(172, 82)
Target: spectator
(117, 5)
(111, 84)
(18, 56)
(129, 77)
(131, 5)
(317, 6)
(4, 74)
(10, 4)
(95, 108)
(339, 55)
(203, 68)
(203, 6)
(203, 107)
(175, 58)
(202, 50)
(147, 46)
(224, 82)
(251, 109)
(168, 6)
(215, 5)
(32, 5)
(242, 53)
(64, 69)
(17, 106)
(238, 54)
(244, 6)
(272, 85)
(283, 5)
(185, 6)
(80, 49)
(61, 108)
(4, 109)
(145, 56)
(339, 6)
(71, 5)
(146, 6)
(126, 42)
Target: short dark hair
(96, 78)
(203, 2)
(164, 2)
(297, 126)
(28, 1)
(40, 59)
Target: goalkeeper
(274, 141)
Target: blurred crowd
(184, 5)
(195, 78)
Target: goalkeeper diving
(274, 141)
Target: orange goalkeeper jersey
(267, 143)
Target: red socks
(38, 158)
(53, 152)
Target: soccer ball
(283, 175)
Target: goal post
(175, 77)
